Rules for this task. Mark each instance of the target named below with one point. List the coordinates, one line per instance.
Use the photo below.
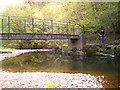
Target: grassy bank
(7, 49)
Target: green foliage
(10, 44)
(115, 50)
(89, 14)
(23, 10)
(103, 50)
(7, 49)
(85, 13)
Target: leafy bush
(103, 50)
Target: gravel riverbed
(39, 80)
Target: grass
(7, 49)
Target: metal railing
(17, 24)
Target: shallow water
(52, 62)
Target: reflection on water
(52, 62)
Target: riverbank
(49, 80)
(18, 52)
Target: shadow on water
(53, 62)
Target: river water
(53, 62)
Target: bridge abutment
(78, 43)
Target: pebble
(38, 79)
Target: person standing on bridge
(102, 36)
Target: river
(63, 63)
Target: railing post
(33, 26)
(73, 28)
(52, 26)
(2, 25)
(58, 28)
(83, 29)
(43, 27)
(25, 26)
(8, 26)
(67, 28)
